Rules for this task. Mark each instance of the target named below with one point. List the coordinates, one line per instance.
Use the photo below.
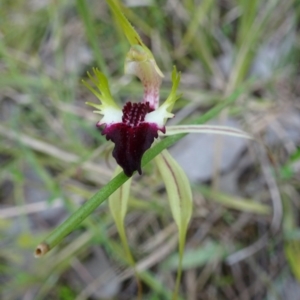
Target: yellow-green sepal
(103, 93)
(173, 97)
(164, 112)
(108, 107)
(132, 36)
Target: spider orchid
(134, 128)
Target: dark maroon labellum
(132, 137)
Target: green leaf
(118, 203)
(180, 199)
(224, 130)
(198, 257)
(178, 189)
(292, 253)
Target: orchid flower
(134, 127)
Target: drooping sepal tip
(132, 36)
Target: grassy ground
(53, 159)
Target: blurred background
(244, 238)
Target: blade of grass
(246, 51)
(249, 10)
(85, 14)
(236, 203)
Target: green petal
(173, 97)
(103, 93)
(108, 108)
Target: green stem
(122, 235)
(182, 237)
(85, 210)
(130, 259)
